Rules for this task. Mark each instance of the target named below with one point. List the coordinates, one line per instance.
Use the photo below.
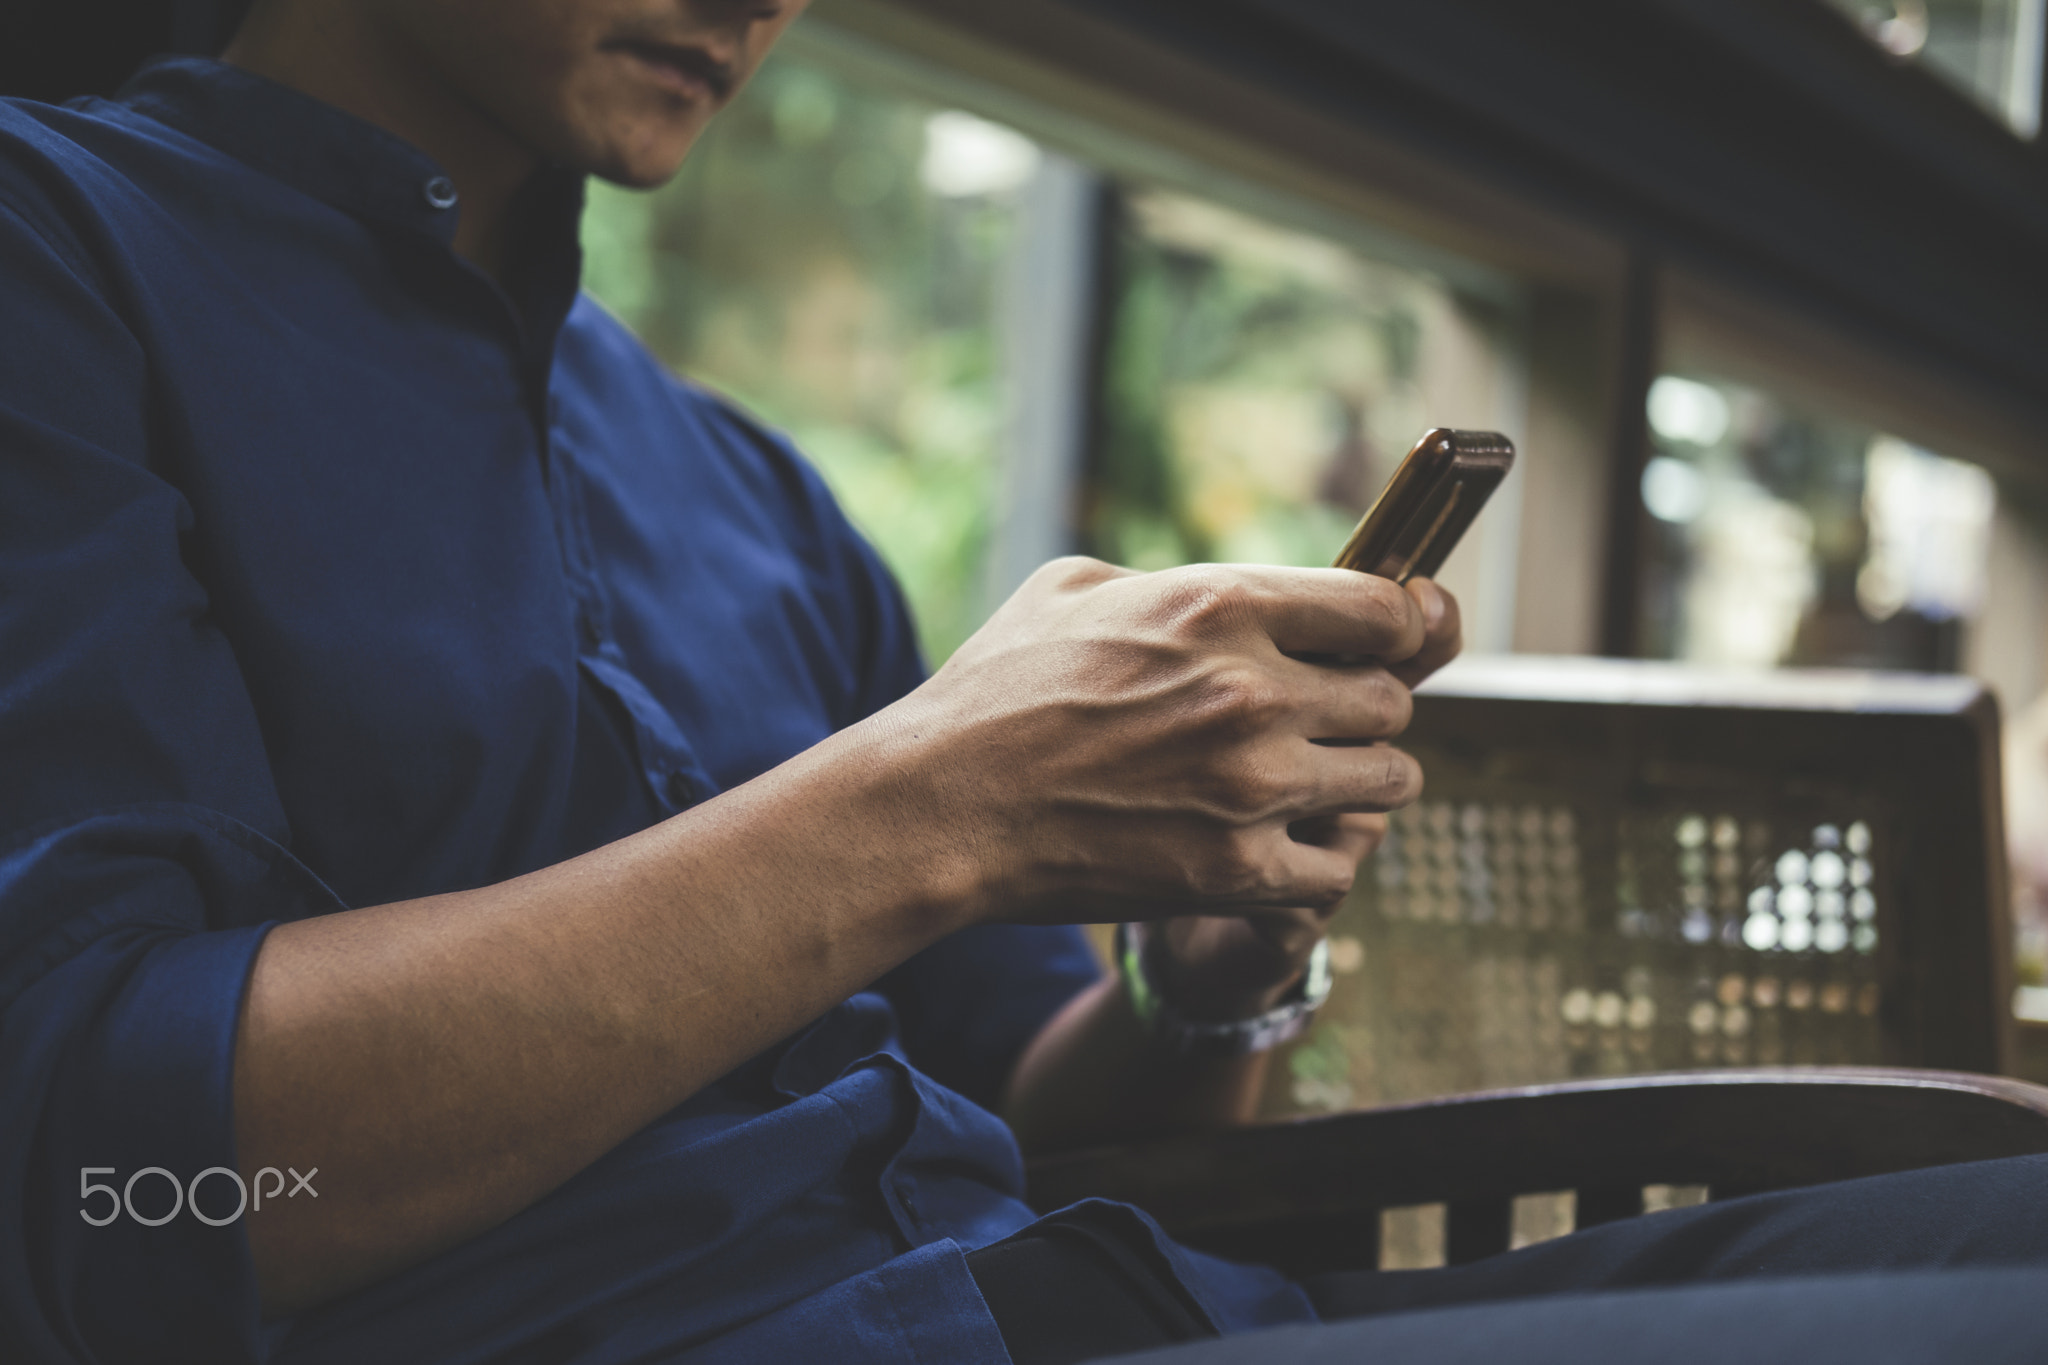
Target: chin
(640, 173)
(637, 156)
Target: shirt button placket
(911, 1225)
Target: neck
(337, 53)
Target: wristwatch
(1232, 1038)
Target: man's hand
(1235, 967)
(1115, 745)
(1093, 1074)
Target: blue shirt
(332, 574)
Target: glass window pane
(838, 257)
(830, 257)
(1784, 536)
(1262, 383)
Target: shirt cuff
(117, 1057)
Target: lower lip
(670, 77)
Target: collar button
(440, 192)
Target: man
(455, 764)
(352, 562)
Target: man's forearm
(447, 1061)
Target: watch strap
(1225, 1038)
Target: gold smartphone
(1439, 488)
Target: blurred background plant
(842, 259)
(1261, 383)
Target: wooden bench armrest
(1244, 1190)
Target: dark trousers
(1938, 1265)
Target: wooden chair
(1624, 868)
(1620, 867)
(1310, 1195)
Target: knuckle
(1393, 704)
(1239, 702)
(1074, 571)
(1237, 868)
(1204, 600)
(1264, 793)
(1239, 791)
(1389, 613)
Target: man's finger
(1261, 871)
(1354, 834)
(1327, 612)
(1365, 779)
(1347, 701)
(1443, 632)
(1306, 877)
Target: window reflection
(1262, 382)
(1781, 536)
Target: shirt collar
(362, 170)
(320, 150)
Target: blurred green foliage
(1259, 384)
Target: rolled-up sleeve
(142, 847)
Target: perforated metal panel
(1602, 896)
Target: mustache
(719, 76)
